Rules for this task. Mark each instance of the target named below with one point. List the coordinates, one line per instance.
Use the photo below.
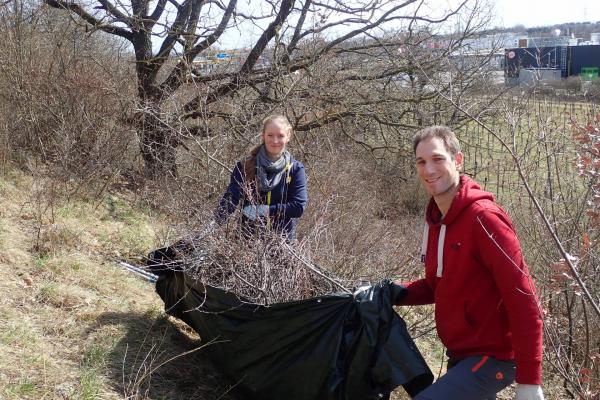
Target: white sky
(545, 12)
(508, 13)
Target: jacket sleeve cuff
(399, 292)
(529, 372)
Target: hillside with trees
(120, 127)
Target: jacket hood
(468, 192)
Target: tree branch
(246, 68)
(93, 21)
(156, 14)
(111, 9)
(176, 77)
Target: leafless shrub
(593, 91)
(62, 96)
(261, 268)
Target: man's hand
(255, 211)
(399, 292)
(528, 392)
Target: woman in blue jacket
(269, 182)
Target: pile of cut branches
(263, 268)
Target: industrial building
(226, 61)
(525, 65)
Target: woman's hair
(279, 119)
(441, 132)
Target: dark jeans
(472, 378)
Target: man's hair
(441, 132)
(280, 119)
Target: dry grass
(72, 324)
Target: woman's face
(275, 138)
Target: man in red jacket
(486, 309)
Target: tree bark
(158, 144)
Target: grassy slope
(74, 325)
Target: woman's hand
(255, 211)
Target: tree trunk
(158, 144)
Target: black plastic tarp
(334, 347)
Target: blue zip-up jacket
(288, 198)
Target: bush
(61, 96)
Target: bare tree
(297, 41)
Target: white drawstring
(440, 252)
(424, 242)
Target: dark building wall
(569, 59)
(583, 56)
(535, 57)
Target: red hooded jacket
(485, 300)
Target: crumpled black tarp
(334, 347)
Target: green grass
(41, 260)
(21, 389)
(89, 384)
(117, 209)
(96, 355)
(49, 293)
(20, 334)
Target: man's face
(437, 169)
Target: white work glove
(254, 211)
(364, 285)
(528, 392)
